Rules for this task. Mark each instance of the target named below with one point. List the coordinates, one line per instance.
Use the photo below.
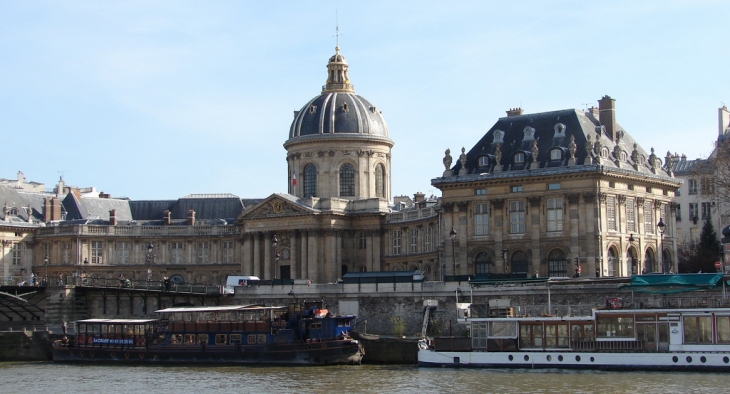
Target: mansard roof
(206, 207)
(552, 142)
(19, 201)
(96, 208)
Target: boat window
(220, 339)
(502, 329)
(697, 329)
(251, 339)
(723, 329)
(611, 326)
(339, 322)
(479, 335)
(582, 332)
(556, 335)
(530, 335)
(235, 339)
(203, 339)
(176, 339)
(190, 339)
(261, 339)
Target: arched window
(518, 263)
(611, 263)
(650, 261)
(483, 264)
(557, 263)
(310, 181)
(379, 181)
(347, 181)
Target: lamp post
(274, 244)
(149, 258)
(634, 262)
(661, 227)
(45, 277)
(452, 234)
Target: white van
(233, 281)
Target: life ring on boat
(141, 355)
(614, 303)
(126, 355)
(112, 355)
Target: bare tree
(713, 175)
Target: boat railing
(612, 345)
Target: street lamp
(634, 262)
(452, 234)
(504, 259)
(149, 258)
(661, 227)
(274, 244)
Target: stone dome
(338, 110)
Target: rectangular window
(630, 215)
(516, 189)
(648, 215)
(96, 249)
(227, 252)
(557, 268)
(553, 186)
(396, 241)
(176, 252)
(427, 239)
(692, 185)
(706, 186)
(723, 329)
(414, 240)
(517, 217)
(481, 219)
(678, 192)
(122, 252)
(693, 211)
(202, 252)
(698, 329)
(678, 212)
(611, 213)
(65, 252)
(705, 210)
(362, 241)
(17, 251)
(480, 192)
(554, 214)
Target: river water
(74, 378)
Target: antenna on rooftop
(62, 172)
(586, 105)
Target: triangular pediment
(277, 205)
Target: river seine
(64, 378)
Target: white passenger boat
(662, 339)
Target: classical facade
(557, 193)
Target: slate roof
(96, 208)
(553, 130)
(15, 198)
(210, 207)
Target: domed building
(338, 143)
(339, 176)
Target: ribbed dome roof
(338, 110)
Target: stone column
(374, 263)
(267, 271)
(256, 260)
(304, 256)
(313, 260)
(294, 255)
(246, 255)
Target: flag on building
(294, 178)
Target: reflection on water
(74, 378)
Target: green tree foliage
(399, 325)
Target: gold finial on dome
(337, 78)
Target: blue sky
(159, 99)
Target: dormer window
(483, 161)
(604, 153)
(556, 154)
(344, 107)
(519, 158)
(312, 109)
(623, 156)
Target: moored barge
(221, 334)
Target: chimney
(167, 219)
(51, 209)
(607, 115)
(103, 195)
(514, 111)
(76, 191)
(113, 217)
(418, 197)
(191, 217)
(723, 120)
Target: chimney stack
(113, 217)
(723, 120)
(418, 197)
(607, 115)
(167, 219)
(191, 217)
(514, 111)
(51, 209)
